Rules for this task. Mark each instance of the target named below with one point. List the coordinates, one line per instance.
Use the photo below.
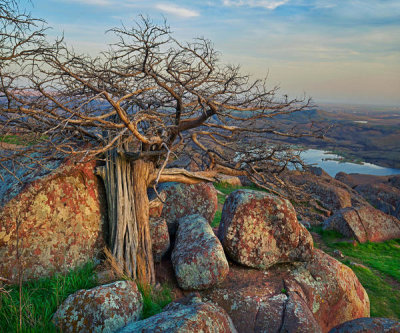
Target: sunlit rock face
(259, 230)
(364, 224)
(105, 308)
(51, 223)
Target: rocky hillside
(258, 271)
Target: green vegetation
(13, 139)
(154, 299)
(384, 298)
(227, 189)
(21, 140)
(217, 219)
(377, 266)
(39, 300)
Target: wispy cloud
(93, 2)
(268, 4)
(177, 11)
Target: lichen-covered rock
(191, 315)
(198, 257)
(159, 237)
(368, 325)
(364, 224)
(295, 297)
(259, 230)
(105, 308)
(330, 289)
(182, 200)
(57, 220)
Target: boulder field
(306, 292)
(383, 192)
(360, 206)
(258, 273)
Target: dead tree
(147, 98)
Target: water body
(318, 157)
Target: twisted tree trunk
(128, 211)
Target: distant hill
(369, 136)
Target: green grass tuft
(154, 300)
(40, 299)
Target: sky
(337, 51)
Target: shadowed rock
(368, 325)
(259, 230)
(159, 237)
(382, 196)
(383, 192)
(198, 257)
(190, 315)
(182, 200)
(105, 308)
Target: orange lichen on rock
(55, 221)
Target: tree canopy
(145, 100)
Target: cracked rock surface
(297, 297)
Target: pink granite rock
(56, 219)
(259, 230)
(159, 237)
(364, 224)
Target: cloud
(268, 4)
(93, 2)
(178, 11)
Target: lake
(318, 157)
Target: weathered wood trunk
(128, 206)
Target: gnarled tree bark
(126, 185)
